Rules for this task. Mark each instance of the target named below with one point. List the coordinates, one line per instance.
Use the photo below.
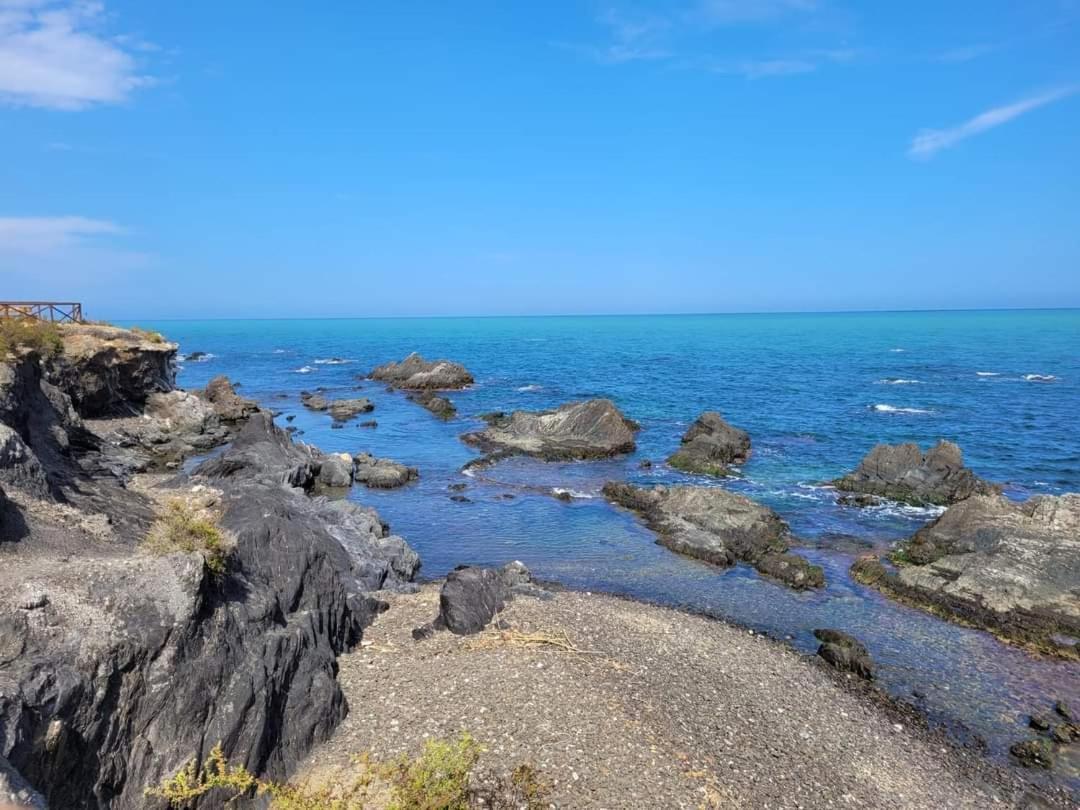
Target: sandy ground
(655, 709)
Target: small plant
(148, 334)
(27, 333)
(185, 528)
(438, 779)
(191, 782)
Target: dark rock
(227, 404)
(195, 357)
(591, 429)
(858, 499)
(710, 446)
(336, 471)
(845, 653)
(1064, 733)
(416, 373)
(370, 423)
(381, 473)
(1037, 753)
(461, 499)
(645, 464)
(290, 417)
(458, 487)
(719, 527)
(1039, 722)
(562, 495)
(471, 597)
(16, 792)
(903, 473)
(343, 410)
(1062, 708)
(264, 452)
(440, 406)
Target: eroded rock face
(902, 472)
(381, 473)
(711, 446)
(229, 406)
(415, 373)
(591, 429)
(1009, 567)
(719, 527)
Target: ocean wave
(279, 351)
(987, 373)
(898, 381)
(333, 361)
(469, 471)
(1040, 377)
(303, 370)
(897, 351)
(531, 387)
(894, 509)
(882, 408)
(197, 357)
(573, 493)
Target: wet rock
(1039, 722)
(370, 423)
(471, 597)
(342, 410)
(440, 406)
(591, 429)
(262, 451)
(461, 499)
(711, 446)
(1062, 708)
(227, 404)
(858, 499)
(19, 467)
(314, 400)
(1038, 753)
(645, 464)
(195, 357)
(719, 527)
(458, 487)
(381, 473)
(904, 473)
(336, 471)
(416, 373)
(1064, 733)
(845, 653)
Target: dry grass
(27, 333)
(186, 527)
(558, 640)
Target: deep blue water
(815, 392)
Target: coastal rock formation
(719, 527)
(471, 596)
(415, 373)
(845, 653)
(335, 471)
(229, 406)
(1008, 567)
(902, 472)
(264, 452)
(381, 473)
(710, 446)
(591, 429)
(342, 410)
(440, 406)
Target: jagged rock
(379, 558)
(471, 597)
(440, 406)
(416, 373)
(196, 357)
(263, 451)
(591, 429)
(1038, 753)
(903, 473)
(710, 446)
(227, 404)
(381, 473)
(16, 791)
(314, 400)
(1062, 708)
(844, 652)
(335, 471)
(19, 467)
(719, 527)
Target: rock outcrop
(845, 653)
(719, 527)
(342, 410)
(1011, 568)
(711, 446)
(902, 472)
(381, 473)
(414, 373)
(229, 406)
(591, 429)
(440, 406)
(472, 596)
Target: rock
(471, 597)
(32, 597)
(370, 423)
(336, 471)
(461, 499)
(710, 446)
(1039, 722)
(440, 406)
(227, 404)
(719, 527)
(381, 473)
(591, 429)
(458, 487)
(845, 653)
(416, 373)
(1037, 753)
(903, 473)
(1063, 733)
(645, 464)
(1062, 708)
(19, 467)
(195, 357)
(16, 791)
(858, 499)
(314, 401)
(344, 409)
(263, 451)
(987, 561)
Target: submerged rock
(471, 597)
(710, 446)
(591, 429)
(416, 373)
(1037, 753)
(1008, 567)
(902, 472)
(845, 653)
(381, 473)
(440, 406)
(719, 527)
(343, 410)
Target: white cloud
(931, 141)
(54, 55)
(46, 235)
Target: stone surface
(845, 653)
(711, 446)
(902, 472)
(440, 406)
(227, 404)
(343, 410)
(591, 429)
(719, 527)
(416, 373)
(335, 470)
(471, 596)
(381, 473)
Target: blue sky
(350, 158)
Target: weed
(27, 333)
(184, 528)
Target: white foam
(332, 361)
(470, 472)
(881, 408)
(1040, 377)
(897, 350)
(899, 381)
(188, 359)
(573, 493)
(279, 351)
(303, 370)
(531, 388)
(987, 373)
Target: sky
(243, 159)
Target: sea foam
(882, 408)
(1040, 377)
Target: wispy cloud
(931, 141)
(966, 53)
(633, 38)
(732, 12)
(55, 55)
(43, 235)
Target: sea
(815, 392)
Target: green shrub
(27, 333)
(438, 779)
(185, 528)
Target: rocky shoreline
(119, 665)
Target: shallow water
(814, 391)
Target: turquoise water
(814, 391)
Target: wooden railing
(52, 311)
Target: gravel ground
(657, 709)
